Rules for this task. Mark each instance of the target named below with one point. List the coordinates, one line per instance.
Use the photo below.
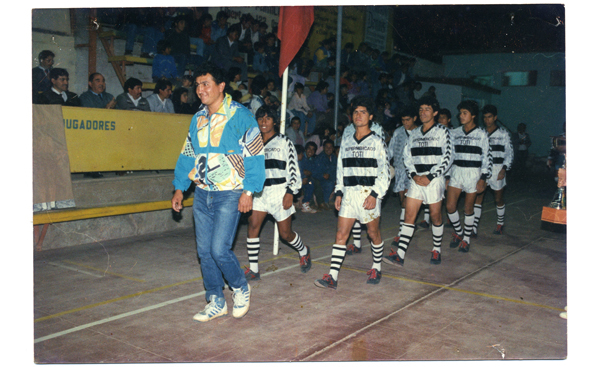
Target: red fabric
(294, 25)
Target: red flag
(294, 25)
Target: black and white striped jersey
(363, 164)
(472, 150)
(429, 153)
(502, 148)
(281, 164)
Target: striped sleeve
(294, 180)
(447, 155)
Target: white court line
(144, 309)
(74, 269)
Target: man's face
(135, 92)
(98, 84)
(310, 151)
(222, 22)
(409, 122)
(426, 113)
(266, 125)
(489, 119)
(208, 91)
(328, 149)
(47, 62)
(234, 36)
(444, 120)
(179, 27)
(165, 93)
(361, 117)
(296, 125)
(465, 117)
(61, 83)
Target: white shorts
(270, 200)
(402, 181)
(352, 206)
(465, 179)
(495, 184)
(430, 194)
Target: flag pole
(284, 88)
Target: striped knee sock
(253, 245)
(337, 258)
(438, 232)
(500, 214)
(477, 211)
(356, 229)
(469, 218)
(405, 236)
(455, 220)
(298, 245)
(377, 251)
(426, 217)
(401, 222)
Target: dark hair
(92, 76)
(258, 45)
(162, 46)
(236, 95)
(409, 111)
(222, 14)
(234, 28)
(266, 111)
(57, 72)
(312, 144)
(232, 72)
(445, 111)
(176, 98)
(298, 86)
(258, 84)
(45, 54)
(489, 108)
(429, 101)
(294, 119)
(204, 17)
(328, 141)
(162, 84)
(216, 72)
(322, 85)
(470, 106)
(364, 101)
(132, 83)
(299, 149)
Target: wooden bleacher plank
(67, 215)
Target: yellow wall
(108, 140)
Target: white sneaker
(241, 301)
(307, 209)
(217, 307)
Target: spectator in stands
(308, 166)
(259, 91)
(346, 56)
(317, 101)
(197, 24)
(227, 53)
(59, 92)
(180, 102)
(259, 61)
(40, 76)
(326, 165)
(153, 30)
(96, 96)
(205, 35)
(299, 107)
(295, 133)
(323, 53)
(132, 22)
(307, 186)
(180, 45)
(245, 41)
(272, 53)
(262, 30)
(255, 33)
(188, 83)
(219, 26)
(160, 100)
(323, 133)
(163, 65)
(131, 99)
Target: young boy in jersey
(427, 156)
(283, 181)
(472, 167)
(502, 159)
(410, 121)
(362, 180)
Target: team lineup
(428, 160)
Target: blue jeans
(308, 189)
(216, 218)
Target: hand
(112, 103)
(338, 203)
(326, 176)
(370, 202)
(309, 114)
(288, 201)
(480, 186)
(421, 180)
(305, 181)
(176, 201)
(245, 203)
(501, 174)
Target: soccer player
(410, 122)
(363, 176)
(427, 156)
(283, 181)
(502, 159)
(472, 167)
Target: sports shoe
(474, 234)
(393, 259)
(499, 229)
(374, 276)
(326, 282)
(241, 301)
(456, 239)
(307, 209)
(250, 275)
(463, 247)
(436, 258)
(351, 249)
(395, 241)
(424, 224)
(217, 307)
(305, 262)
